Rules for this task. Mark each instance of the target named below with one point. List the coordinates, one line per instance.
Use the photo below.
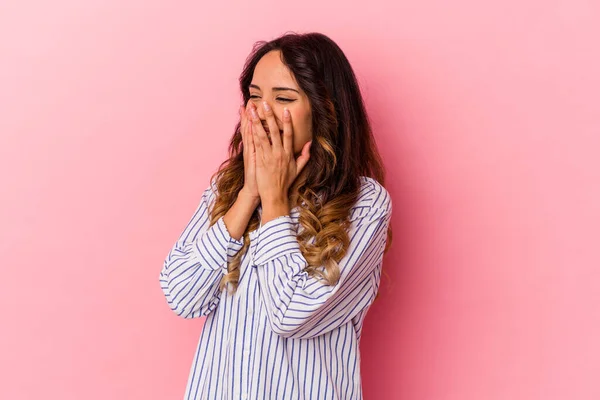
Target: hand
(276, 167)
(250, 187)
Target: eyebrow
(275, 88)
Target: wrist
(274, 208)
(275, 202)
(247, 198)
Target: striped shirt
(283, 334)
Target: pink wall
(114, 114)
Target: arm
(301, 306)
(194, 266)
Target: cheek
(301, 136)
(301, 125)
(302, 128)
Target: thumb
(303, 157)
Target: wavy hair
(342, 151)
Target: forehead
(270, 71)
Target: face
(270, 76)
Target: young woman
(283, 255)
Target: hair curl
(343, 150)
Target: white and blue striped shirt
(282, 334)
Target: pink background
(114, 114)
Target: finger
(250, 139)
(303, 157)
(273, 127)
(260, 136)
(287, 131)
(248, 148)
(243, 125)
(248, 119)
(246, 111)
(257, 145)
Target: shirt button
(244, 396)
(250, 311)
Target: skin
(274, 159)
(270, 72)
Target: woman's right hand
(250, 188)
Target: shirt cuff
(275, 238)
(234, 245)
(214, 247)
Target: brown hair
(342, 151)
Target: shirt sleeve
(194, 266)
(301, 306)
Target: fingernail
(266, 106)
(253, 111)
(286, 112)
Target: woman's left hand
(276, 166)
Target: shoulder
(209, 194)
(212, 187)
(373, 196)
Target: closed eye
(279, 98)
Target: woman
(284, 253)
